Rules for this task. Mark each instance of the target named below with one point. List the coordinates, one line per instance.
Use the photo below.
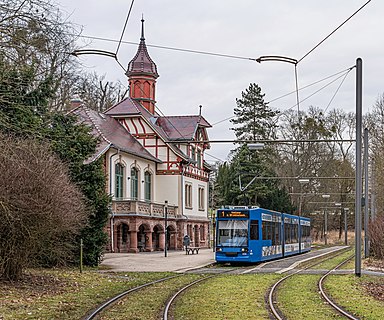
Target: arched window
(188, 196)
(134, 183)
(201, 198)
(137, 90)
(147, 186)
(147, 88)
(119, 180)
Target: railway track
(94, 314)
(333, 304)
(272, 303)
(107, 304)
(168, 305)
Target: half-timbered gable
(154, 164)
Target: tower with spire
(150, 159)
(142, 75)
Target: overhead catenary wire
(108, 53)
(160, 112)
(344, 73)
(322, 88)
(337, 91)
(125, 26)
(244, 58)
(223, 55)
(214, 157)
(311, 84)
(212, 53)
(230, 56)
(329, 35)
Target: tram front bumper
(232, 256)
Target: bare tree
(374, 121)
(94, 91)
(325, 162)
(41, 210)
(376, 235)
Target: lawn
(63, 294)
(68, 294)
(227, 297)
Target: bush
(41, 210)
(376, 234)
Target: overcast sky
(243, 28)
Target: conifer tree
(241, 182)
(255, 120)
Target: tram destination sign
(233, 214)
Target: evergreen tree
(255, 119)
(35, 68)
(74, 144)
(23, 102)
(24, 113)
(241, 181)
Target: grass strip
(333, 262)
(298, 298)
(226, 297)
(349, 291)
(149, 302)
(64, 294)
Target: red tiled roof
(127, 106)
(181, 127)
(111, 134)
(167, 127)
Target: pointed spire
(142, 28)
(142, 62)
(142, 75)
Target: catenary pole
(358, 180)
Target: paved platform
(176, 261)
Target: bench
(192, 250)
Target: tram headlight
(244, 249)
(219, 249)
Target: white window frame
(201, 198)
(188, 195)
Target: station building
(155, 168)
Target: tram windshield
(232, 233)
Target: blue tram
(254, 234)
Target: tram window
(268, 230)
(265, 227)
(287, 233)
(295, 230)
(276, 233)
(254, 230)
(232, 233)
(306, 233)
